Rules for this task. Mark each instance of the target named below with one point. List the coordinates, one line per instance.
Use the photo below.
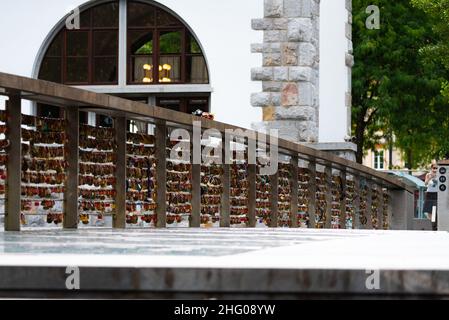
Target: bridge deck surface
(253, 263)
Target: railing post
(312, 194)
(72, 158)
(252, 179)
(225, 214)
(343, 199)
(252, 168)
(294, 185)
(195, 220)
(356, 218)
(274, 199)
(328, 174)
(161, 173)
(380, 203)
(13, 193)
(119, 221)
(369, 203)
(402, 207)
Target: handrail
(61, 95)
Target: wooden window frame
(156, 30)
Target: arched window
(160, 48)
(88, 55)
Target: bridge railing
(147, 169)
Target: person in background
(432, 190)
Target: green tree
(438, 12)
(394, 91)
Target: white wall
(224, 29)
(333, 71)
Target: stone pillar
(349, 63)
(290, 71)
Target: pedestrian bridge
(142, 171)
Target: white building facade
(223, 32)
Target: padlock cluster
(179, 186)
(338, 193)
(363, 212)
(284, 195)
(375, 210)
(43, 170)
(141, 187)
(211, 193)
(321, 203)
(4, 143)
(303, 197)
(349, 203)
(97, 156)
(239, 192)
(263, 196)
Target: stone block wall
(290, 71)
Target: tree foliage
(395, 91)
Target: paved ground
(254, 263)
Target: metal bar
(312, 194)
(274, 199)
(72, 157)
(369, 202)
(252, 168)
(195, 219)
(343, 199)
(328, 173)
(294, 185)
(161, 173)
(119, 221)
(380, 215)
(14, 177)
(356, 218)
(225, 212)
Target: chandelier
(164, 73)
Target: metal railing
(63, 173)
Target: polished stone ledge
(196, 263)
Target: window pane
(141, 42)
(166, 20)
(105, 70)
(105, 43)
(195, 104)
(141, 15)
(77, 70)
(170, 69)
(172, 104)
(77, 43)
(51, 70)
(196, 70)
(170, 42)
(55, 49)
(106, 15)
(85, 21)
(192, 45)
(142, 67)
